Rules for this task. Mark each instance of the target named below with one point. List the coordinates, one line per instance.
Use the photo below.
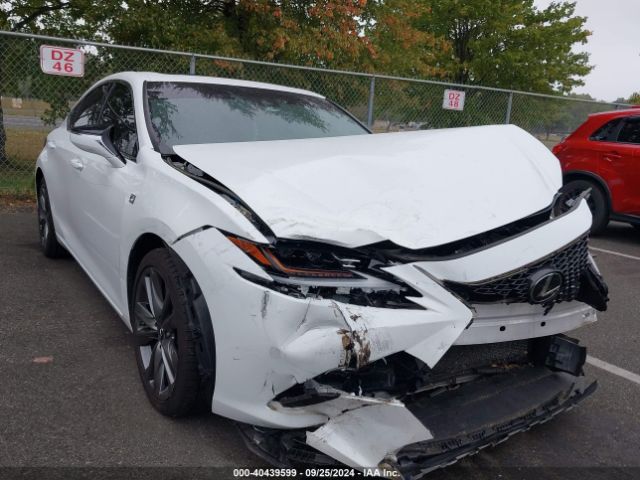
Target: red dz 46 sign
(62, 61)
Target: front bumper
(267, 342)
(457, 423)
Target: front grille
(571, 262)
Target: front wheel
(597, 202)
(169, 318)
(46, 229)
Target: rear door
(583, 149)
(621, 165)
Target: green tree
(505, 43)
(510, 43)
(377, 36)
(400, 46)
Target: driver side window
(87, 115)
(118, 110)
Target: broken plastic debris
(46, 359)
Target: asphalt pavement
(71, 403)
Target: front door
(100, 193)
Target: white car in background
(393, 300)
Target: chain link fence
(34, 103)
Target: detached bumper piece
(486, 413)
(454, 422)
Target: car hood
(416, 189)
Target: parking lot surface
(71, 396)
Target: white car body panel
(519, 252)
(417, 190)
(338, 190)
(287, 340)
(517, 322)
(363, 437)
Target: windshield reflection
(187, 113)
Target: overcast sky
(614, 46)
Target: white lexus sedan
(392, 301)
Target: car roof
(137, 78)
(635, 110)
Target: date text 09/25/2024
(314, 472)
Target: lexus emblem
(545, 285)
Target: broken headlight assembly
(297, 260)
(565, 201)
(313, 270)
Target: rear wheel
(46, 229)
(597, 202)
(167, 313)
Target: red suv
(603, 154)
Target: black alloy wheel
(156, 333)
(166, 315)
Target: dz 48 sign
(62, 61)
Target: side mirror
(98, 143)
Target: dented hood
(417, 189)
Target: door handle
(77, 163)
(611, 156)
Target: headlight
(296, 260)
(312, 270)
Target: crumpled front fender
(267, 342)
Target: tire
(46, 228)
(170, 324)
(598, 202)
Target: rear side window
(607, 132)
(630, 131)
(87, 115)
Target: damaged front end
(383, 357)
(399, 415)
(413, 411)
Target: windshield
(183, 113)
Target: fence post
(372, 90)
(507, 118)
(192, 65)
